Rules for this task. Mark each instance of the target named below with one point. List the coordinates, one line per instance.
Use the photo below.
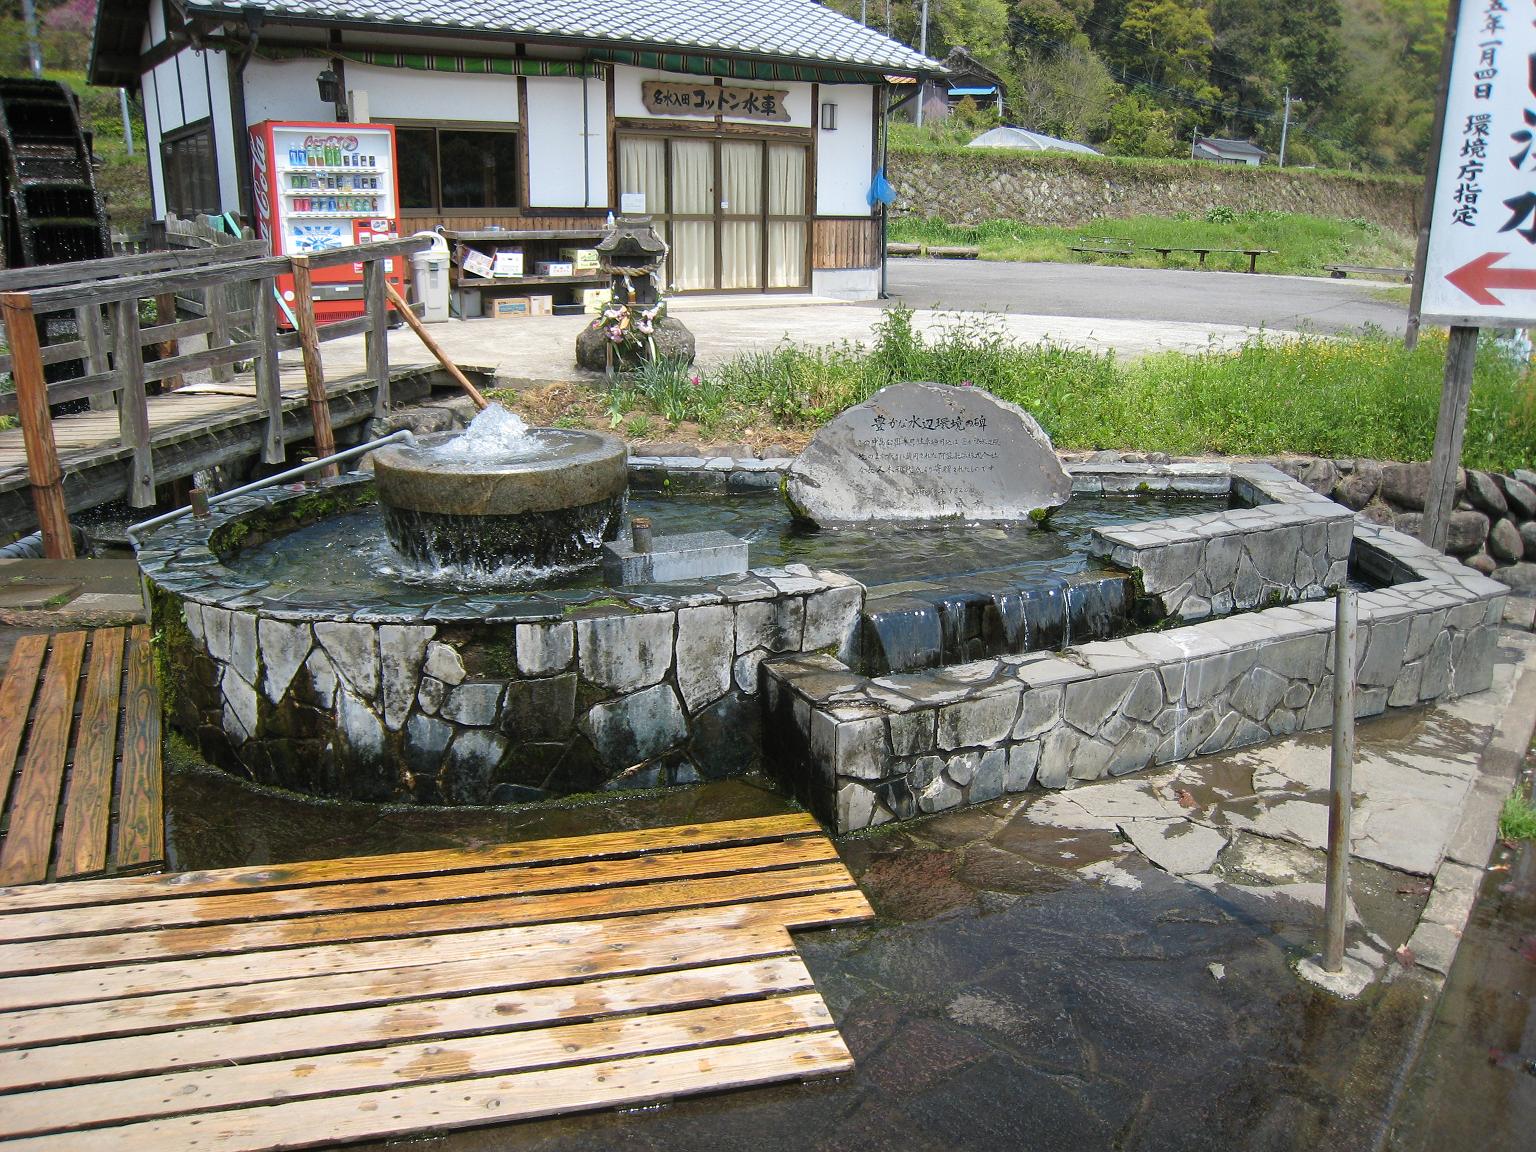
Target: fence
(105, 296)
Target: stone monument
(924, 451)
(632, 254)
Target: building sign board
(1481, 265)
(665, 99)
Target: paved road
(1084, 290)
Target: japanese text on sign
(1481, 265)
(664, 99)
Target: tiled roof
(781, 29)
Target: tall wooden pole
(433, 346)
(1455, 394)
(314, 369)
(43, 471)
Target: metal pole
(122, 100)
(864, 12)
(34, 49)
(1285, 124)
(311, 463)
(1431, 176)
(922, 48)
(1450, 427)
(1341, 784)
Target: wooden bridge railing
(113, 338)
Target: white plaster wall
(557, 176)
(156, 21)
(285, 90)
(168, 96)
(151, 98)
(845, 157)
(627, 101)
(401, 94)
(192, 67)
(224, 133)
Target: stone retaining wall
(997, 184)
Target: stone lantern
(631, 254)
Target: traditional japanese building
(750, 130)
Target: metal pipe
(405, 434)
(1341, 783)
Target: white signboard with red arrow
(1480, 270)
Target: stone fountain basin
(569, 469)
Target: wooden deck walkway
(320, 1003)
(80, 771)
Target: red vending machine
(319, 186)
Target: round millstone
(555, 504)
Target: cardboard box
(593, 299)
(541, 305)
(508, 262)
(582, 259)
(554, 268)
(507, 307)
(473, 261)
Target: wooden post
(43, 471)
(1341, 783)
(376, 339)
(433, 346)
(216, 309)
(94, 335)
(165, 313)
(314, 370)
(1455, 394)
(269, 385)
(132, 406)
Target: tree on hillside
(1068, 93)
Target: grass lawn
(1362, 396)
(1303, 245)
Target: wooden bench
(1104, 246)
(1253, 254)
(1340, 271)
(285, 1005)
(85, 801)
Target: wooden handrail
(53, 275)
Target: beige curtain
(741, 194)
(786, 197)
(643, 169)
(693, 193)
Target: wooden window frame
(670, 130)
(206, 176)
(437, 211)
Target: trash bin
(429, 275)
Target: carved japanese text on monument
(942, 445)
(927, 452)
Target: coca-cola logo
(259, 183)
(345, 143)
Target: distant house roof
(1229, 148)
(1023, 138)
(801, 31)
(969, 75)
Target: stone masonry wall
(1051, 189)
(862, 751)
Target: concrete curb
(1453, 895)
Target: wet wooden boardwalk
(80, 767)
(313, 1004)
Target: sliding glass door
(733, 211)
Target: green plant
(638, 426)
(667, 385)
(1517, 819)
(1220, 214)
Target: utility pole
(922, 48)
(34, 49)
(1285, 124)
(864, 12)
(122, 102)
